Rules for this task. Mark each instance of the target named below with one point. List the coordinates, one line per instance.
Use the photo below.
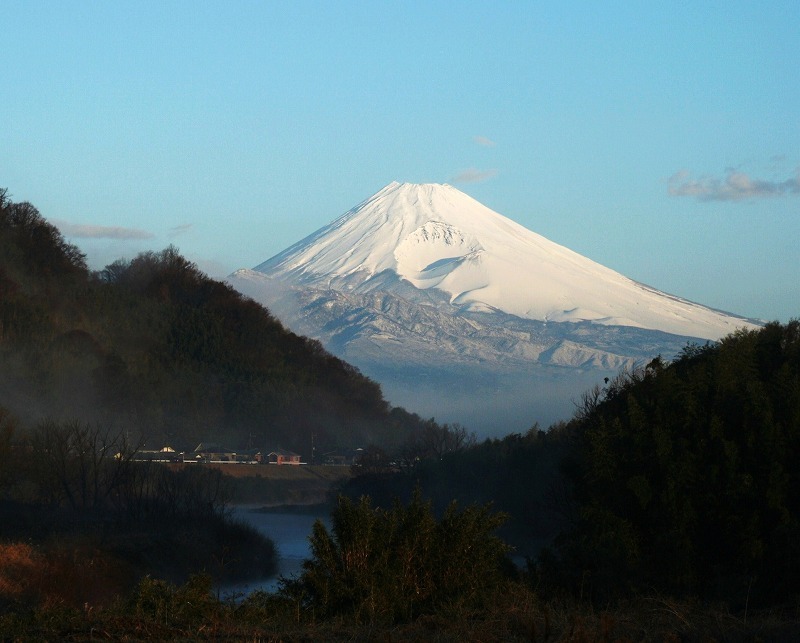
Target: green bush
(392, 565)
(162, 602)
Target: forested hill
(687, 473)
(677, 478)
(155, 347)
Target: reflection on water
(289, 531)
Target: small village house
(281, 456)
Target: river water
(289, 530)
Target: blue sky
(663, 142)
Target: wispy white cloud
(735, 186)
(483, 141)
(180, 229)
(82, 231)
(473, 175)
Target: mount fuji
(463, 314)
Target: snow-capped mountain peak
(435, 237)
(457, 311)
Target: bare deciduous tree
(81, 464)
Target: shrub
(19, 567)
(162, 602)
(396, 564)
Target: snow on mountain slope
(432, 236)
(461, 314)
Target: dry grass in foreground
(157, 610)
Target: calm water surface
(289, 530)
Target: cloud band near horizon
(83, 231)
(735, 186)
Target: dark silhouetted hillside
(157, 348)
